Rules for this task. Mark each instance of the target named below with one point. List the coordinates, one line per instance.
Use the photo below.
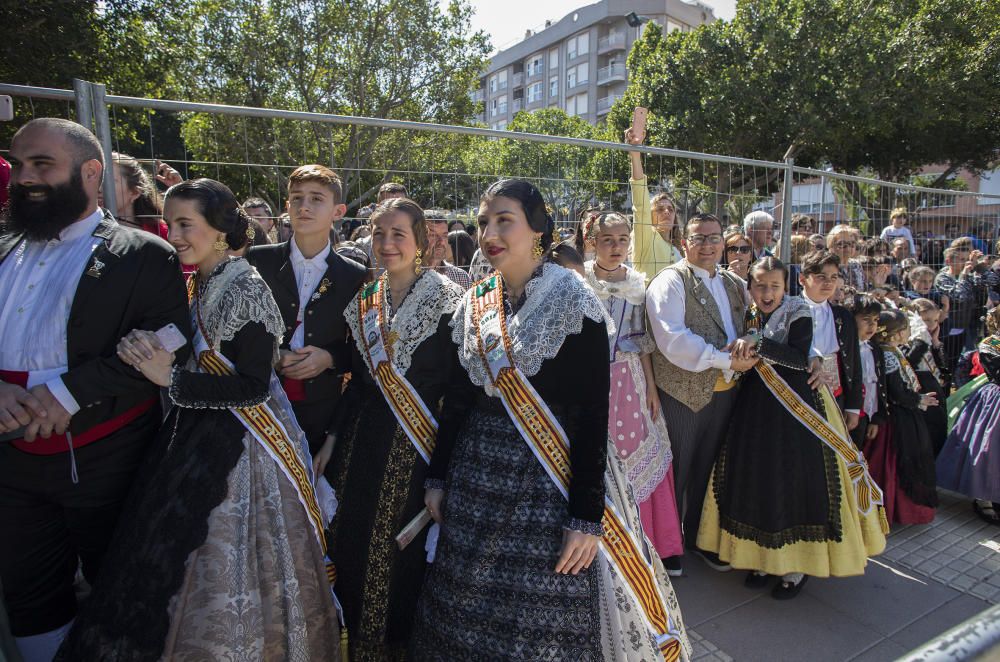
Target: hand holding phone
(171, 338)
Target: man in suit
(74, 418)
(695, 312)
(312, 285)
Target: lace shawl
(432, 296)
(780, 321)
(556, 304)
(234, 296)
(632, 288)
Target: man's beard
(45, 219)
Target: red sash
(295, 389)
(58, 443)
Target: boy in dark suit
(312, 285)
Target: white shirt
(665, 307)
(870, 379)
(37, 286)
(824, 341)
(308, 272)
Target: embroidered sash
(868, 492)
(404, 401)
(268, 430)
(550, 445)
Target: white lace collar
(632, 288)
(556, 303)
(432, 296)
(234, 296)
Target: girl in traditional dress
(402, 352)
(637, 428)
(925, 352)
(970, 461)
(220, 552)
(901, 456)
(522, 570)
(781, 500)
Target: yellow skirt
(862, 535)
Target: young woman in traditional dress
(636, 426)
(970, 461)
(781, 500)
(901, 455)
(402, 356)
(220, 553)
(522, 569)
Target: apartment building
(578, 62)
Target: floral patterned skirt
(492, 592)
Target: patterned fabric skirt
(214, 559)
(970, 461)
(780, 502)
(379, 480)
(492, 592)
(643, 446)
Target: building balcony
(518, 105)
(615, 41)
(604, 103)
(478, 96)
(519, 79)
(610, 74)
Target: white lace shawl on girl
(415, 320)
(780, 322)
(556, 304)
(235, 296)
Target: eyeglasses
(845, 244)
(699, 239)
(737, 249)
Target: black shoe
(673, 566)
(713, 561)
(787, 590)
(755, 580)
(987, 511)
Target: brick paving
(929, 579)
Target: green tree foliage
(396, 59)
(884, 86)
(566, 175)
(407, 60)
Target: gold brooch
(323, 287)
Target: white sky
(506, 20)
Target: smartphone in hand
(171, 338)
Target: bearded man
(74, 419)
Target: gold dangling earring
(417, 262)
(220, 245)
(537, 251)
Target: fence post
(102, 128)
(786, 212)
(84, 103)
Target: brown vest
(702, 317)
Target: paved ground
(929, 579)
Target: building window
(578, 45)
(554, 58)
(577, 105)
(502, 80)
(534, 92)
(501, 105)
(578, 75)
(535, 65)
(493, 84)
(554, 87)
